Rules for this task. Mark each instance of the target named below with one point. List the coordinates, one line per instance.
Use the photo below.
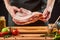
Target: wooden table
(30, 33)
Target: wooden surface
(30, 33)
(32, 29)
(27, 37)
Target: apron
(56, 11)
(32, 5)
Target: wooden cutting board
(27, 37)
(32, 29)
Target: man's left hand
(46, 16)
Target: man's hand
(12, 10)
(46, 16)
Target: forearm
(6, 2)
(50, 4)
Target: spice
(2, 22)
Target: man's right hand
(12, 10)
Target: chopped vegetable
(57, 36)
(6, 36)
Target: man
(31, 5)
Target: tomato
(5, 33)
(15, 32)
(1, 34)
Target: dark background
(4, 12)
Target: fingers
(16, 8)
(46, 16)
(46, 13)
(44, 20)
(13, 10)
